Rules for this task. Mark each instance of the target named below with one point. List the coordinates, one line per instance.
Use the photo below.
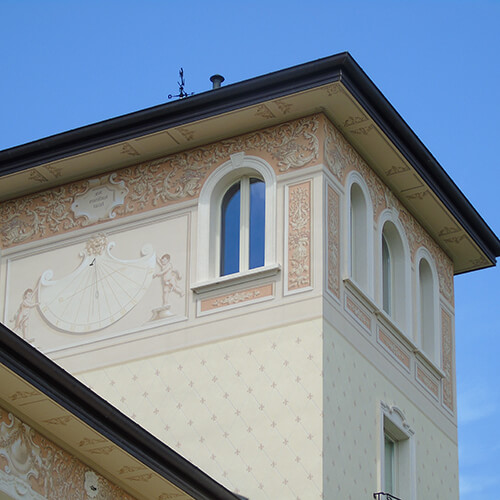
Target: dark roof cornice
(433, 174)
(43, 374)
(338, 68)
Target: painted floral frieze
(154, 184)
(237, 298)
(37, 468)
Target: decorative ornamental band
(152, 184)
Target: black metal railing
(387, 496)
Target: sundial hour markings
(96, 280)
(100, 291)
(81, 280)
(84, 284)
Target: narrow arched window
(243, 226)
(230, 230)
(386, 277)
(427, 308)
(359, 241)
(394, 279)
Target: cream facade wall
(138, 215)
(265, 381)
(247, 410)
(374, 365)
(356, 382)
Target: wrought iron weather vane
(182, 83)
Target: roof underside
(41, 393)
(336, 86)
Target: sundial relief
(88, 286)
(101, 290)
(169, 278)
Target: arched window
(243, 226)
(427, 311)
(359, 263)
(236, 220)
(394, 275)
(386, 277)
(358, 243)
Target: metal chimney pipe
(216, 81)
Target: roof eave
(43, 374)
(338, 68)
(398, 131)
(172, 114)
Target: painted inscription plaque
(100, 198)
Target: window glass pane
(388, 465)
(359, 243)
(386, 277)
(426, 307)
(230, 231)
(257, 222)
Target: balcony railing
(384, 496)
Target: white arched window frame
(400, 298)
(427, 315)
(359, 228)
(209, 214)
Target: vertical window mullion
(244, 224)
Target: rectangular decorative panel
(447, 350)
(234, 299)
(333, 242)
(427, 380)
(299, 236)
(395, 348)
(358, 313)
(99, 286)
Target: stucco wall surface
(354, 389)
(247, 411)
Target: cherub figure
(169, 278)
(21, 318)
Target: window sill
(236, 278)
(431, 365)
(389, 323)
(385, 319)
(380, 314)
(360, 294)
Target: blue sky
(66, 64)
